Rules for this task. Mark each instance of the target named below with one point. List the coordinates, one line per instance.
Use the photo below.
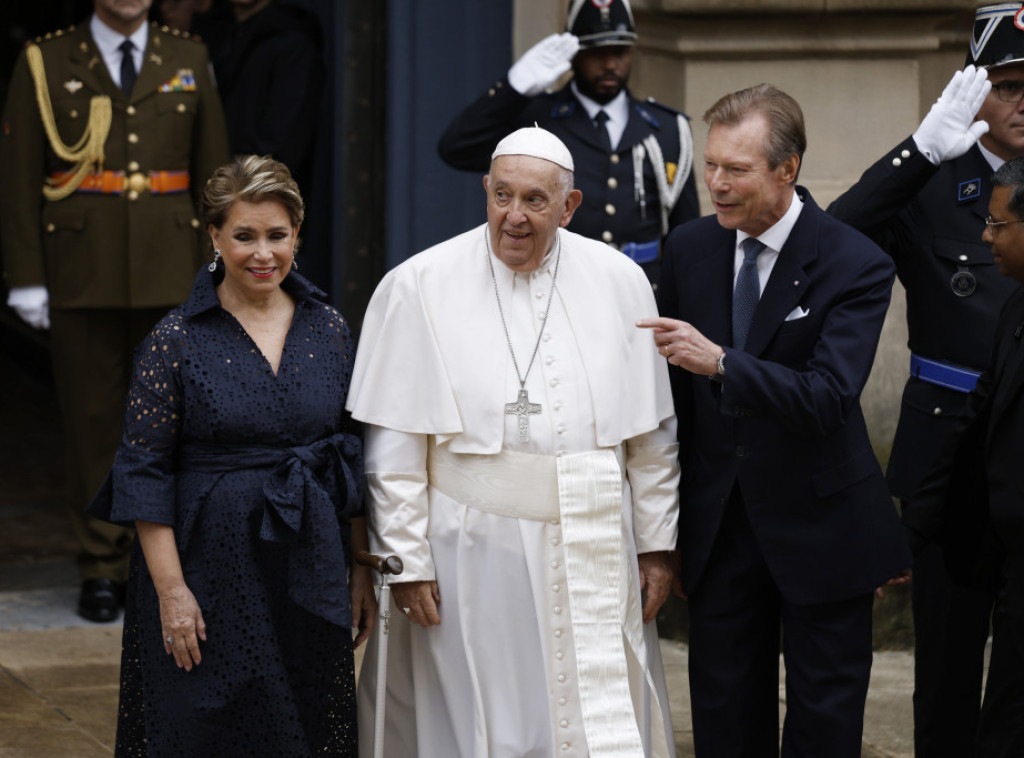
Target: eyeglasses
(1009, 91)
(991, 223)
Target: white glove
(32, 304)
(542, 64)
(949, 129)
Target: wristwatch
(720, 373)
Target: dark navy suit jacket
(785, 425)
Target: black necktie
(127, 67)
(747, 292)
(601, 125)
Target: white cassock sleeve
(397, 510)
(652, 468)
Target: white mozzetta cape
(443, 368)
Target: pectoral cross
(523, 408)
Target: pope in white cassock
(521, 460)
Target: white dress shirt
(109, 43)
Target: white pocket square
(797, 312)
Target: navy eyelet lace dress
(259, 477)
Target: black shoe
(101, 599)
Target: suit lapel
(86, 63)
(1009, 377)
(711, 289)
(788, 280)
(157, 67)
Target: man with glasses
(975, 488)
(925, 203)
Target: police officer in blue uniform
(634, 158)
(926, 203)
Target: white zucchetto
(536, 143)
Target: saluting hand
(541, 65)
(949, 130)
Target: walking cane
(383, 565)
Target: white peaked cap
(536, 143)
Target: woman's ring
(405, 611)
(169, 640)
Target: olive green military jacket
(128, 250)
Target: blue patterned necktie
(127, 67)
(747, 292)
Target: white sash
(584, 491)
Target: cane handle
(382, 564)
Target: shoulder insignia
(969, 190)
(563, 110)
(647, 116)
(651, 102)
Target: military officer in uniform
(633, 158)
(925, 203)
(109, 133)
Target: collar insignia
(564, 110)
(969, 190)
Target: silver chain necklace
(522, 407)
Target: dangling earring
(213, 264)
(295, 263)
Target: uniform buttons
(613, 182)
(565, 747)
(541, 316)
(547, 337)
(963, 258)
(562, 701)
(133, 195)
(549, 360)
(539, 296)
(554, 541)
(559, 405)
(51, 228)
(560, 655)
(490, 92)
(181, 107)
(73, 114)
(607, 236)
(558, 634)
(553, 382)
(609, 209)
(557, 610)
(896, 161)
(561, 678)
(130, 110)
(561, 430)
(194, 223)
(554, 564)
(563, 723)
(133, 138)
(556, 588)
(614, 158)
(937, 411)
(133, 166)
(905, 153)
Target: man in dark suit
(102, 237)
(924, 203)
(771, 312)
(972, 502)
(614, 138)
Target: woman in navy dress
(240, 471)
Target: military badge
(969, 190)
(156, 59)
(564, 110)
(963, 281)
(183, 81)
(73, 85)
